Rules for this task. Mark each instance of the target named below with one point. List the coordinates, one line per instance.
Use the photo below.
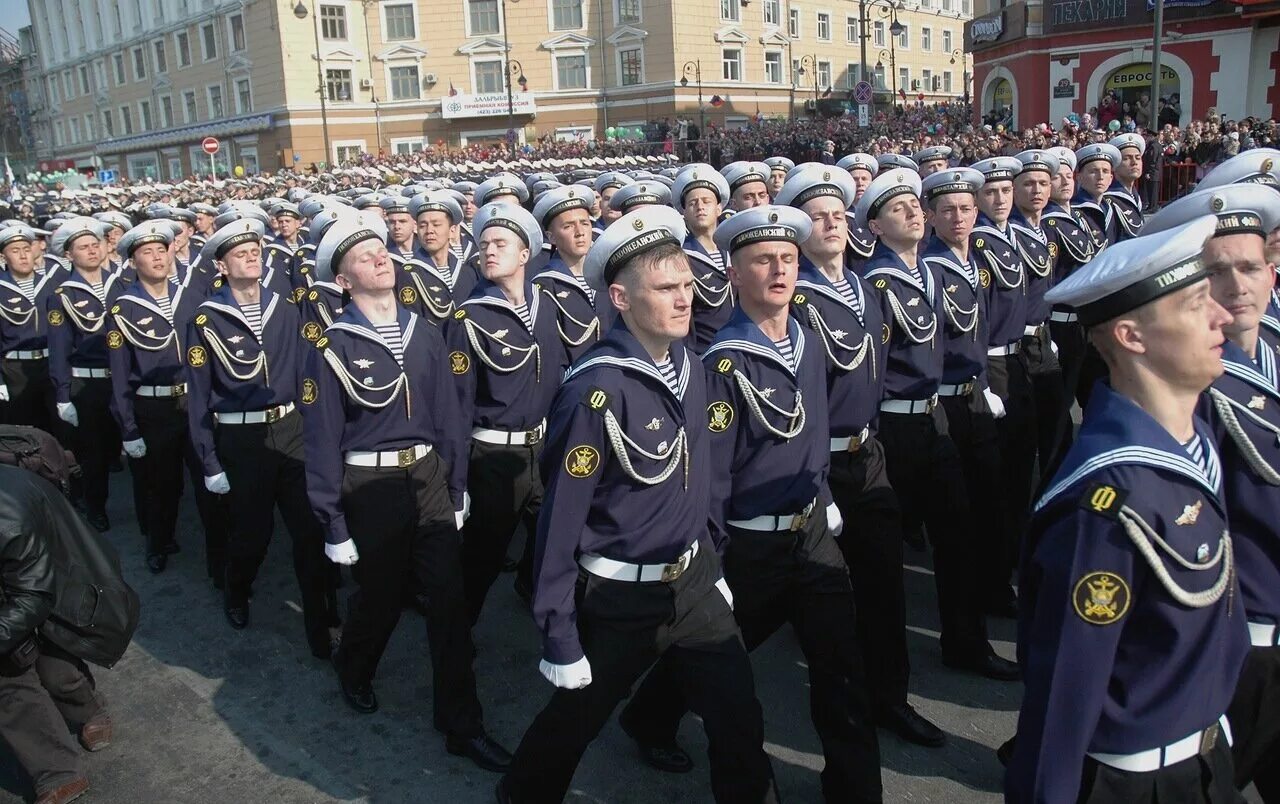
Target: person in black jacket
(42, 687)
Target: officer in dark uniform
(849, 321)
(862, 169)
(145, 344)
(507, 358)
(1122, 195)
(1095, 171)
(1243, 408)
(77, 315)
(1131, 635)
(386, 468)
(700, 193)
(26, 394)
(923, 464)
(628, 469)
(243, 361)
(564, 214)
(434, 281)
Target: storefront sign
(996, 28)
(1081, 15)
(1064, 89)
(493, 104)
(987, 29)
(1139, 75)
(1074, 13)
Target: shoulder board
(1103, 499)
(596, 399)
(460, 314)
(724, 365)
(800, 299)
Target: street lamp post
(513, 70)
(812, 61)
(959, 54)
(300, 11)
(893, 68)
(888, 9)
(694, 68)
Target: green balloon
(610, 132)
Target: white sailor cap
(951, 180)
(802, 166)
(1066, 157)
(999, 168)
(235, 233)
(285, 208)
(1239, 208)
(312, 206)
(366, 200)
(562, 199)
(762, 224)
(740, 173)
(883, 189)
(816, 181)
(888, 162)
(698, 175)
(153, 231)
(777, 163)
(241, 212)
(393, 204)
(297, 194)
(1135, 272)
(345, 233)
(72, 228)
(501, 184)
(465, 187)
(932, 154)
(1037, 159)
(859, 161)
(534, 178)
(437, 201)
(16, 232)
(642, 193)
(1255, 166)
(612, 178)
(1130, 140)
(177, 214)
(509, 216)
(201, 208)
(633, 234)
(1099, 150)
(542, 186)
(117, 219)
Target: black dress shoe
(359, 697)
(156, 562)
(481, 750)
(99, 521)
(237, 615)
(910, 725)
(988, 666)
(667, 757)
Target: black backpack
(36, 451)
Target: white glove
(217, 484)
(459, 517)
(136, 448)
(723, 586)
(67, 412)
(994, 402)
(4, 393)
(1053, 346)
(344, 553)
(835, 523)
(567, 676)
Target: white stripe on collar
(1145, 456)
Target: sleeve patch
(408, 295)
(114, 339)
(55, 318)
(459, 363)
(724, 365)
(312, 331)
(719, 416)
(582, 461)
(1101, 598)
(309, 391)
(597, 399)
(196, 356)
(1104, 499)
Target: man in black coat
(42, 687)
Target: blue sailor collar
(77, 280)
(987, 226)
(745, 335)
(1238, 364)
(937, 251)
(622, 350)
(694, 248)
(488, 294)
(355, 322)
(1118, 432)
(41, 278)
(136, 294)
(556, 268)
(811, 277)
(884, 261)
(1083, 199)
(223, 301)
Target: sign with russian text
(491, 104)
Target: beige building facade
(135, 85)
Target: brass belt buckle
(533, 436)
(178, 390)
(671, 572)
(1209, 738)
(855, 443)
(273, 415)
(798, 521)
(404, 458)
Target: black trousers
(624, 628)
(163, 425)
(1016, 437)
(798, 578)
(1202, 779)
(403, 526)
(927, 472)
(30, 394)
(505, 491)
(95, 441)
(265, 466)
(36, 706)
(1254, 715)
(1045, 373)
(871, 543)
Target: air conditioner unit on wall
(366, 83)
(810, 105)
(431, 79)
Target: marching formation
(718, 402)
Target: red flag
(452, 91)
(717, 101)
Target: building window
(184, 49)
(571, 72)
(209, 42)
(126, 120)
(333, 23)
(946, 41)
(144, 115)
(337, 85)
(68, 91)
(488, 77)
(851, 29)
(824, 74)
(117, 64)
(89, 133)
(729, 10)
(399, 22)
(878, 75)
(166, 111)
(731, 63)
(926, 81)
(160, 10)
(946, 82)
(566, 15)
(966, 8)
(483, 15)
(404, 83)
(84, 79)
(405, 147)
(773, 67)
(347, 153)
(139, 64)
(850, 75)
(631, 63)
(100, 75)
(904, 78)
(237, 32)
(629, 12)
(947, 6)
(162, 60)
(108, 125)
(793, 23)
(74, 126)
(216, 110)
(244, 96)
(877, 34)
(115, 19)
(904, 38)
(824, 26)
(927, 4)
(53, 90)
(926, 39)
(190, 112)
(772, 12)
